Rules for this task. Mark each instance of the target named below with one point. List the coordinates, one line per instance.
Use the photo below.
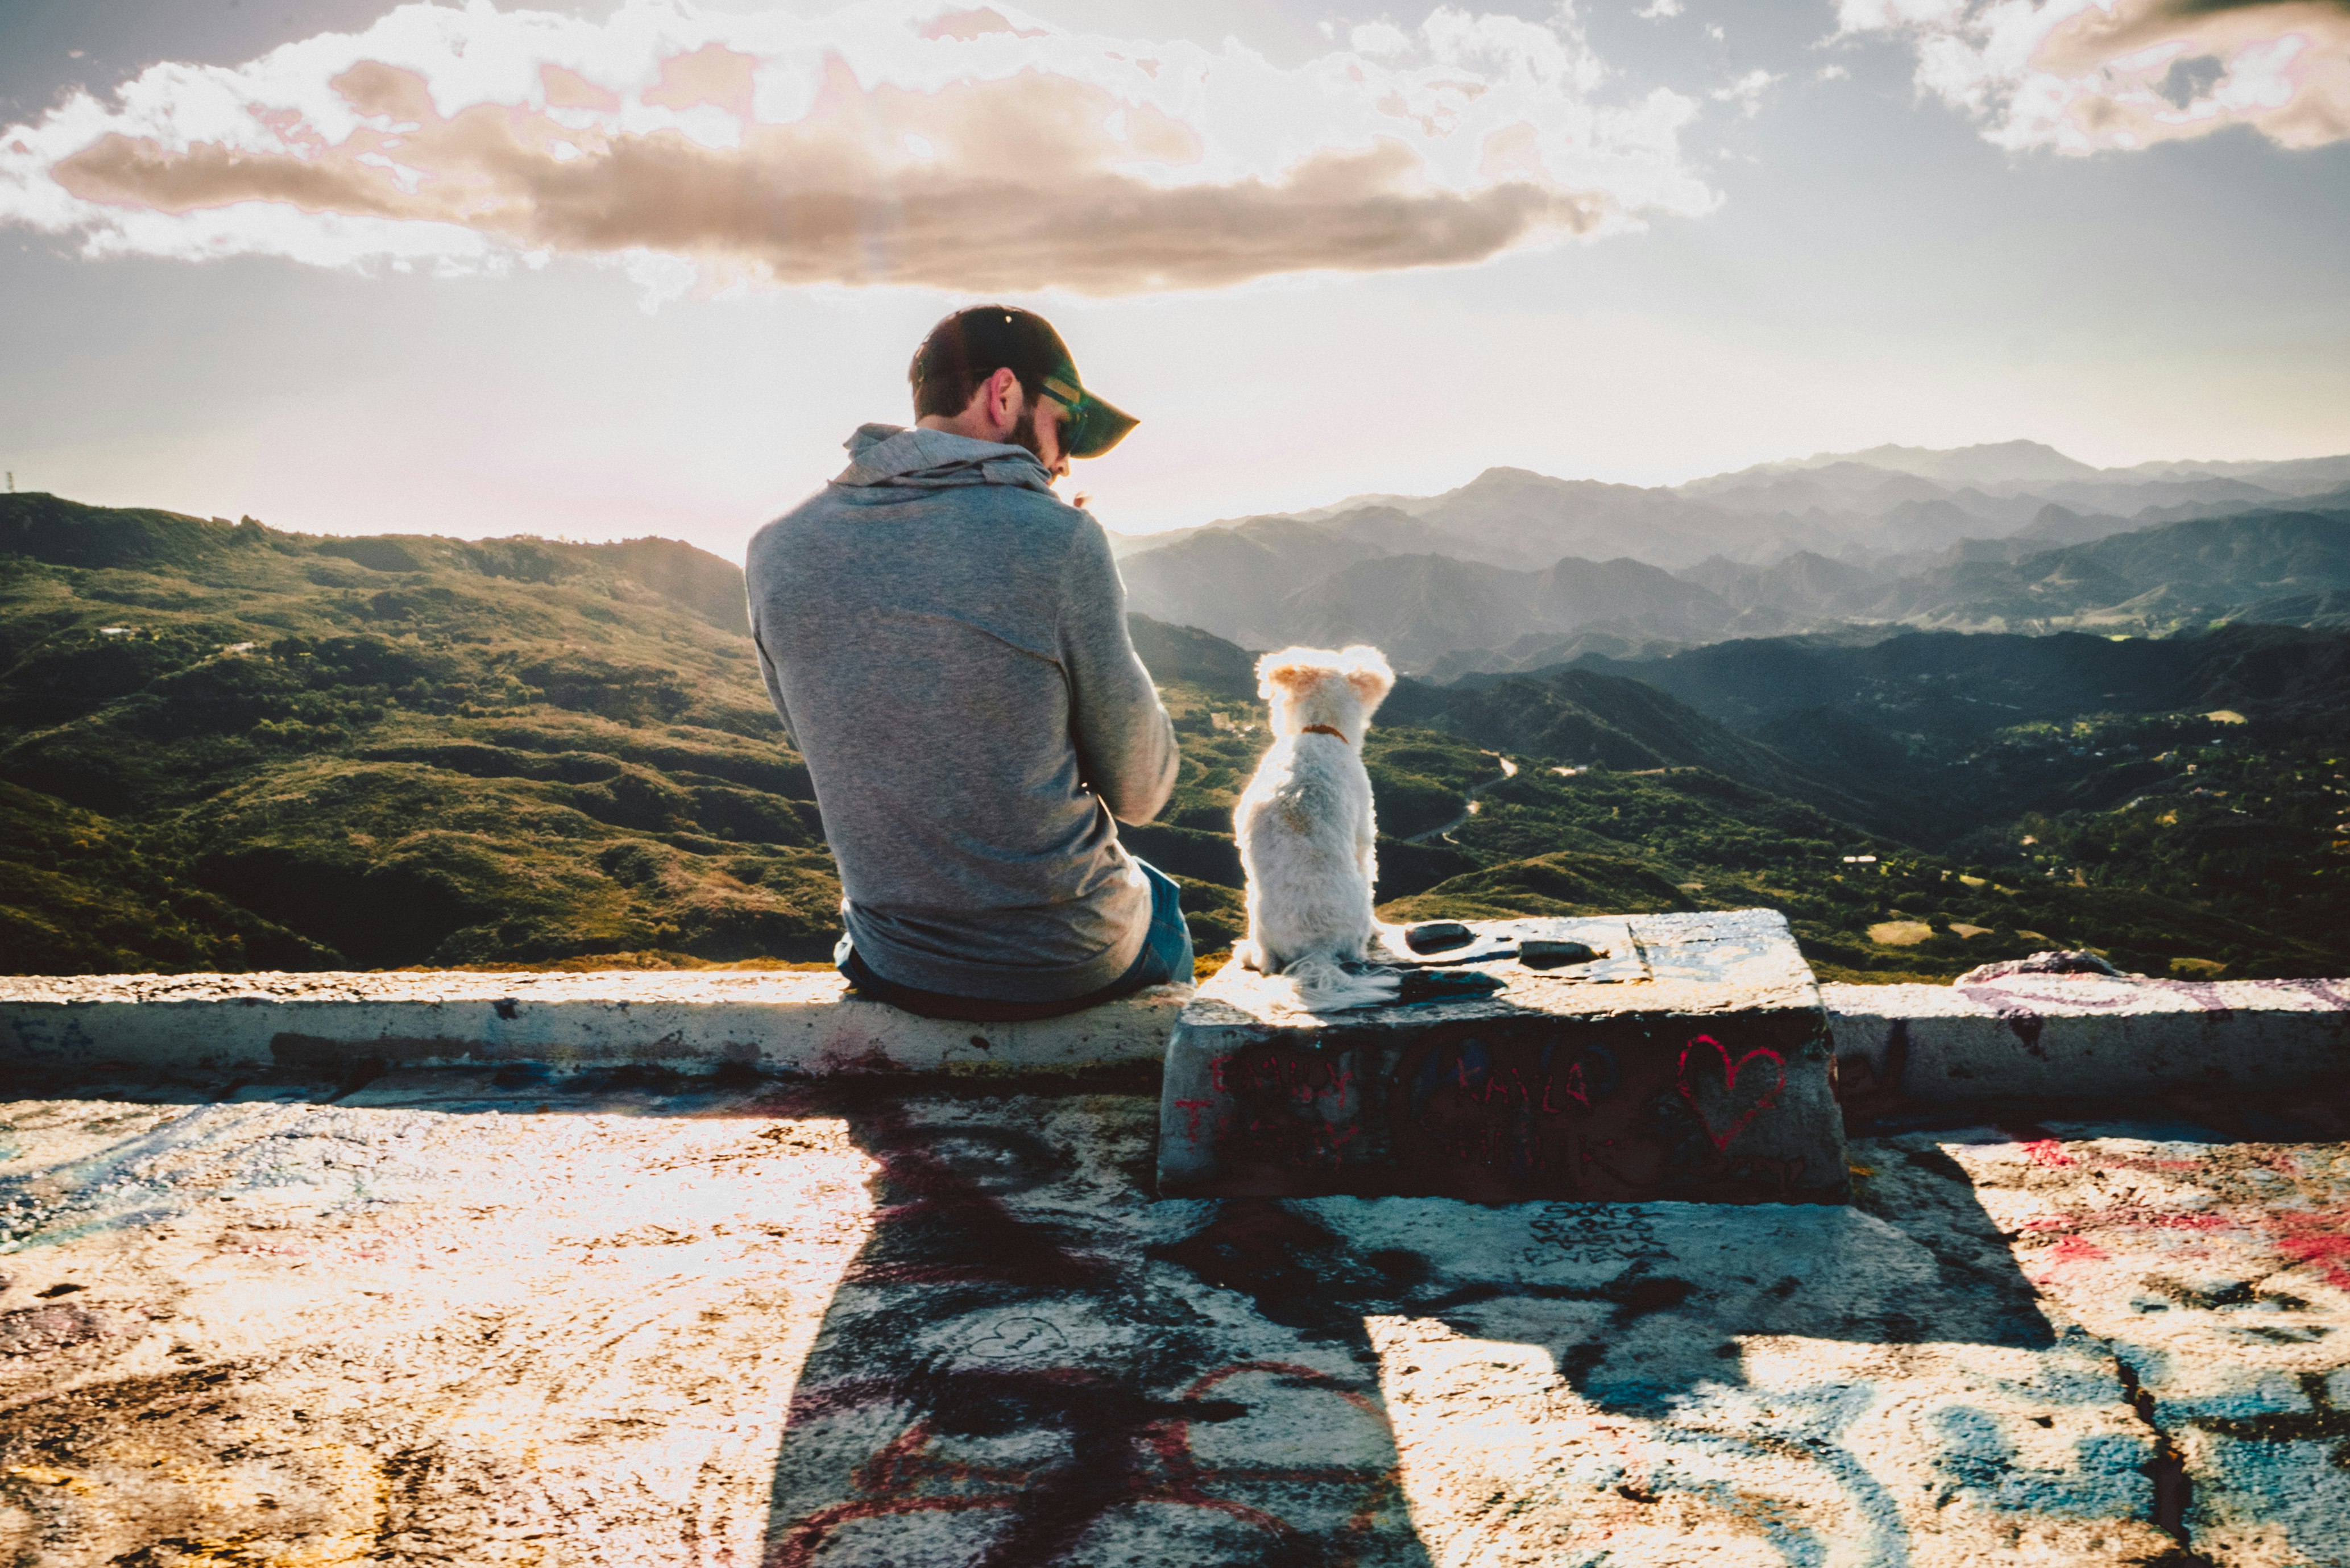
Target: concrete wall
(786, 1021)
(2053, 1035)
(2021, 1036)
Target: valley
(226, 746)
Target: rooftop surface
(625, 1318)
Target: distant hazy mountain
(1504, 517)
(1541, 651)
(2002, 462)
(2293, 476)
(1509, 570)
(1513, 517)
(2055, 524)
(1442, 615)
(1834, 487)
(1233, 581)
(2151, 579)
(2135, 500)
(1419, 606)
(1803, 581)
(2337, 499)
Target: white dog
(1307, 831)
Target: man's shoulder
(768, 538)
(825, 509)
(1041, 517)
(1046, 511)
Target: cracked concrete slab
(648, 1320)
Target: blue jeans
(1166, 956)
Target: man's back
(948, 645)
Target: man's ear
(1002, 393)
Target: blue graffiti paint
(141, 1181)
(2301, 1487)
(41, 1037)
(1978, 1461)
(1811, 1420)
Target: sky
(619, 267)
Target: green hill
(1644, 805)
(2077, 757)
(223, 746)
(387, 750)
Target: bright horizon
(354, 268)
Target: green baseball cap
(972, 345)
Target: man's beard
(1024, 433)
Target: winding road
(1444, 831)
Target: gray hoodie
(947, 644)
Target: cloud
(2091, 76)
(964, 148)
(1658, 10)
(1747, 91)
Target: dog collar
(1323, 730)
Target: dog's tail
(1326, 985)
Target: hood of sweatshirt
(923, 458)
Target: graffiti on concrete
(941, 1324)
(1294, 1107)
(1696, 1082)
(2025, 1002)
(1507, 1109)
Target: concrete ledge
(789, 1022)
(2030, 1035)
(2018, 1037)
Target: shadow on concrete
(1021, 1367)
(1031, 1361)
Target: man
(946, 642)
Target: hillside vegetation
(384, 752)
(223, 746)
(1891, 867)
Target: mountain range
(1516, 570)
(223, 745)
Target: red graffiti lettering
(1573, 1089)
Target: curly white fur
(1306, 830)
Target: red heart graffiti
(1729, 1071)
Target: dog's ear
(1369, 674)
(1293, 671)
